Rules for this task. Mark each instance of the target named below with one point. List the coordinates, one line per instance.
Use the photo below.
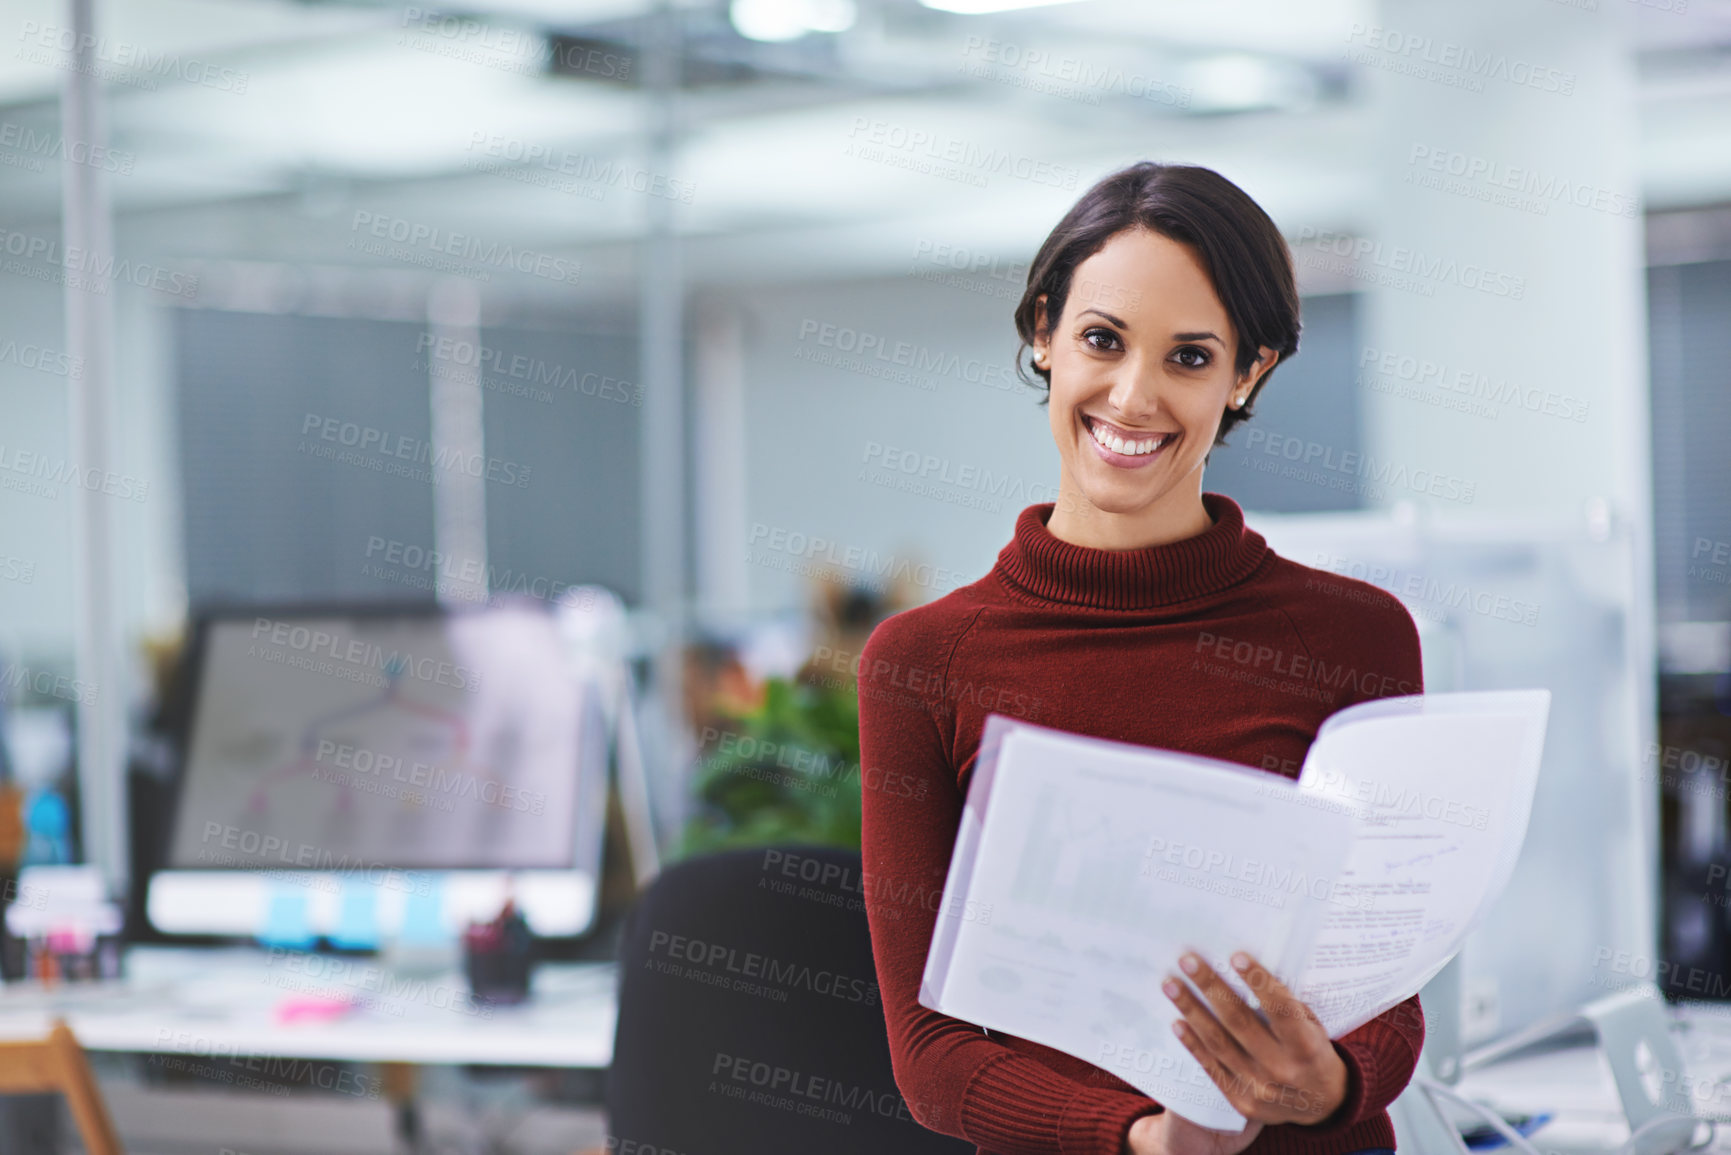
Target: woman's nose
(1136, 390)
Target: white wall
(36, 507)
(817, 435)
(35, 516)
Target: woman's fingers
(1201, 1024)
(1234, 1014)
(1287, 1014)
(1280, 1070)
(1230, 1082)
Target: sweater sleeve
(955, 1078)
(1380, 1057)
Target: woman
(1135, 607)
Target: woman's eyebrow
(1103, 313)
(1199, 336)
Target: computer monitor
(339, 764)
(1510, 601)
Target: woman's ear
(1265, 359)
(1042, 333)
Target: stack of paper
(1088, 866)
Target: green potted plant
(785, 772)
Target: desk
(1575, 1085)
(223, 1002)
(217, 1004)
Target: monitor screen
(412, 740)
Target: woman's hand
(1281, 1071)
(1170, 1134)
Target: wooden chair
(57, 1064)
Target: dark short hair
(1240, 247)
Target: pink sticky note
(311, 1008)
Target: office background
(720, 294)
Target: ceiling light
(1239, 82)
(980, 7)
(775, 20)
(830, 15)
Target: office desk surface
(227, 1002)
(1574, 1084)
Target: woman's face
(1141, 364)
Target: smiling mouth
(1124, 441)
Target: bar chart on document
(1079, 866)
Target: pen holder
(498, 976)
(497, 960)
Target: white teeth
(1129, 448)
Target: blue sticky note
(286, 922)
(422, 924)
(357, 917)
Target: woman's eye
(1191, 357)
(1100, 338)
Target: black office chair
(749, 1018)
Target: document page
(1102, 862)
(1083, 868)
(1440, 787)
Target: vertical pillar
(1507, 274)
(459, 493)
(661, 328)
(1509, 248)
(719, 454)
(88, 227)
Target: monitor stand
(1629, 1027)
(1633, 1032)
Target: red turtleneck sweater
(1214, 645)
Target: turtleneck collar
(1043, 568)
